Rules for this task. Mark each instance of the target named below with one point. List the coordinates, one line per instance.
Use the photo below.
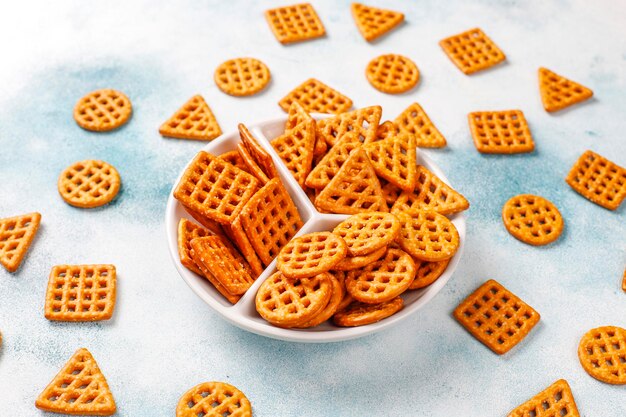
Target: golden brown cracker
(496, 317)
(16, 236)
(558, 92)
(365, 233)
(194, 120)
(373, 22)
(602, 354)
(361, 314)
(81, 293)
(311, 254)
(555, 401)
(89, 183)
(430, 193)
(214, 399)
(414, 121)
(354, 189)
(316, 97)
(295, 23)
(79, 388)
(472, 51)
(598, 180)
(242, 76)
(501, 132)
(290, 302)
(532, 219)
(392, 73)
(427, 235)
(102, 110)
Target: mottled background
(163, 339)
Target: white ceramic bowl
(243, 314)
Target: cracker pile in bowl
(393, 234)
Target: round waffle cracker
(89, 183)
(532, 219)
(102, 110)
(427, 235)
(602, 354)
(365, 233)
(360, 314)
(290, 302)
(382, 280)
(392, 73)
(214, 399)
(311, 254)
(355, 262)
(242, 76)
(427, 273)
(331, 308)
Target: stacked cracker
(357, 273)
(246, 214)
(350, 163)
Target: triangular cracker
(556, 400)
(194, 120)
(297, 115)
(295, 148)
(394, 159)
(373, 22)
(327, 168)
(79, 388)
(354, 189)
(430, 194)
(16, 235)
(558, 92)
(317, 97)
(413, 120)
(362, 121)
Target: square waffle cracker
(394, 159)
(260, 155)
(214, 188)
(472, 51)
(194, 120)
(414, 121)
(329, 165)
(16, 235)
(501, 132)
(81, 293)
(215, 256)
(354, 189)
(236, 234)
(270, 220)
(373, 22)
(295, 23)
(187, 231)
(232, 298)
(214, 399)
(251, 165)
(558, 92)
(555, 401)
(296, 148)
(362, 121)
(602, 354)
(316, 97)
(430, 193)
(496, 317)
(234, 158)
(79, 388)
(598, 180)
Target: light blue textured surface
(163, 339)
